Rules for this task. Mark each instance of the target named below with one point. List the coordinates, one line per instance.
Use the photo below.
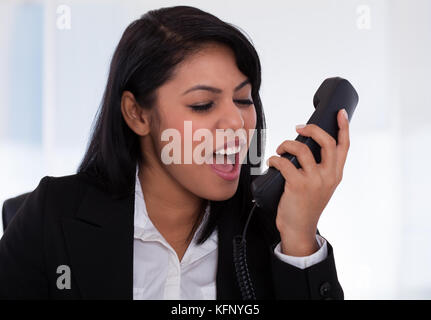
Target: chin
(221, 193)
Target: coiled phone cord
(240, 261)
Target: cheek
(184, 131)
(250, 118)
(172, 129)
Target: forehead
(213, 65)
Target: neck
(173, 210)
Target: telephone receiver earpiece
(333, 95)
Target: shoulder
(67, 182)
(62, 185)
(66, 192)
(60, 188)
(55, 198)
(35, 233)
(58, 196)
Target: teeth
(228, 151)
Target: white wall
(378, 219)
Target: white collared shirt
(158, 273)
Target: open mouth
(226, 164)
(226, 156)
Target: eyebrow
(215, 90)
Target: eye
(244, 102)
(205, 107)
(201, 107)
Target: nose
(231, 117)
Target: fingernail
(345, 114)
(300, 126)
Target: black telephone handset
(333, 95)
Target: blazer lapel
(99, 241)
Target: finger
(302, 153)
(287, 169)
(343, 139)
(325, 140)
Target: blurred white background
(53, 71)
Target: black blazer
(70, 221)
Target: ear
(136, 117)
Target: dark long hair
(144, 59)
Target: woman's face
(229, 108)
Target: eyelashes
(206, 107)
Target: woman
(129, 225)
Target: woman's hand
(308, 189)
